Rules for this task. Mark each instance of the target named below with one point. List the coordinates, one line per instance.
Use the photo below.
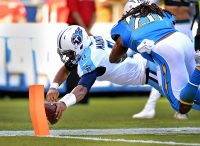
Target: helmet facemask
(68, 56)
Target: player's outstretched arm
(55, 111)
(60, 77)
(77, 94)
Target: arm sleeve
(88, 79)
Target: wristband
(69, 99)
(54, 85)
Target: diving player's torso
(129, 72)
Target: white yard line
(130, 141)
(124, 131)
(76, 134)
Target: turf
(100, 113)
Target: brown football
(50, 110)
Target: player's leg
(149, 108)
(171, 55)
(184, 28)
(193, 82)
(196, 105)
(197, 59)
(153, 81)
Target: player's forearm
(61, 75)
(77, 94)
(117, 53)
(80, 92)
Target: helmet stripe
(60, 39)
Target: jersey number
(99, 42)
(139, 22)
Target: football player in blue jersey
(149, 30)
(183, 12)
(90, 55)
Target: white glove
(146, 46)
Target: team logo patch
(88, 68)
(77, 37)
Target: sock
(196, 107)
(189, 92)
(153, 98)
(197, 98)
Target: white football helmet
(131, 4)
(71, 42)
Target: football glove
(146, 46)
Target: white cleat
(180, 116)
(145, 114)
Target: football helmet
(131, 4)
(71, 43)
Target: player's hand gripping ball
(50, 110)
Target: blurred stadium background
(28, 33)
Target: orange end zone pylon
(37, 110)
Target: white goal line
(118, 131)
(77, 133)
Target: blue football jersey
(134, 30)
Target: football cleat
(180, 116)
(145, 114)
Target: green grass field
(101, 113)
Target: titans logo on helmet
(77, 37)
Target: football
(50, 110)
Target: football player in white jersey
(90, 54)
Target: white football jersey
(130, 72)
